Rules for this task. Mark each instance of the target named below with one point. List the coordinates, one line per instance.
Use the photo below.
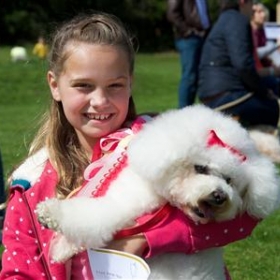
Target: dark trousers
(253, 111)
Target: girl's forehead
(74, 44)
(95, 59)
(93, 53)
(73, 47)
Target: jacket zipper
(43, 259)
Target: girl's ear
(53, 86)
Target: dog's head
(206, 164)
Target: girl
(91, 66)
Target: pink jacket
(26, 241)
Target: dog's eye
(228, 180)
(200, 169)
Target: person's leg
(257, 111)
(189, 49)
(252, 111)
(272, 83)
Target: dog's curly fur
(170, 160)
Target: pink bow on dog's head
(213, 139)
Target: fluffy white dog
(195, 158)
(18, 54)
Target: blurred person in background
(40, 48)
(266, 67)
(264, 46)
(191, 21)
(228, 78)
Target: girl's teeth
(99, 117)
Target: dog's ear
(263, 193)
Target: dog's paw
(47, 212)
(61, 249)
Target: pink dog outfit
(27, 242)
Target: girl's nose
(98, 98)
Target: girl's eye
(82, 85)
(116, 85)
(201, 169)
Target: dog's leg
(92, 222)
(61, 249)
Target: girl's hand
(135, 244)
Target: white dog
(18, 54)
(195, 158)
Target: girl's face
(94, 89)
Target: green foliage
(270, 4)
(22, 21)
(24, 96)
(15, 18)
(149, 10)
(213, 9)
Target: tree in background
(22, 21)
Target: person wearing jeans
(189, 49)
(228, 78)
(190, 20)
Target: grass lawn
(24, 96)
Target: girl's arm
(177, 233)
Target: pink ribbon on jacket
(102, 171)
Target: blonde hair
(56, 133)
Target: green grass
(24, 95)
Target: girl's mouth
(98, 117)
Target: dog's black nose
(217, 197)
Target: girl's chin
(99, 133)
(97, 129)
